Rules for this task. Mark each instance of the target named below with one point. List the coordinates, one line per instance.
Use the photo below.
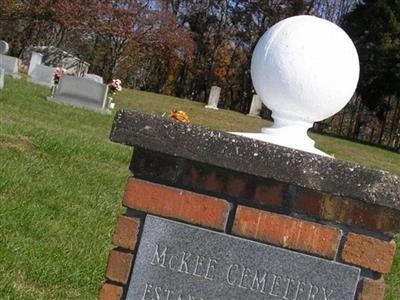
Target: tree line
(182, 48)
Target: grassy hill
(62, 180)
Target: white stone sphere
(305, 69)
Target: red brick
(348, 211)
(110, 292)
(372, 289)
(287, 232)
(126, 231)
(236, 186)
(368, 252)
(203, 178)
(269, 194)
(176, 203)
(309, 202)
(119, 266)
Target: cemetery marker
(256, 106)
(182, 260)
(1, 78)
(36, 59)
(213, 98)
(266, 221)
(3, 47)
(82, 92)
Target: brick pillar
(310, 204)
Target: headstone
(256, 106)
(1, 79)
(3, 47)
(213, 98)
(82, 92)
(42, 75)
(56, 57)
(305, 69)
(36, 59)
(94, 77)
(10, 65)
(176, 259)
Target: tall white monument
(1, 78)
(305, 69)
(255, 107)
(213, 98)
(3, 50)
(36, 59)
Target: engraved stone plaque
(176, 261)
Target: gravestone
(1, 78)
(256, 106)
(36, 59)
(82, 92)
(56, 57)
(10, 65)
(3, 47)
(176, 259)
(213, 98)
(94, 77)
(42, 75)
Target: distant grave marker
(4, 47)
(82, 92)
(213, 99)
(42, 75)
(256, 106)
(3, 50)
(10, 65)
(1, 78)
(36, 59)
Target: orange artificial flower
(179, 115)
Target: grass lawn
(62, 180)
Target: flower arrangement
(114, 87)
(58, 73)
(179, 115)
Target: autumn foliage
(109, 34)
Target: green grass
(62, 180)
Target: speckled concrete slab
(257, 158)
(179, 261)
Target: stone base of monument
(254, 116)
(80, 103)
(211, 107)
(210, 215)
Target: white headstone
(94, 77)
(42, 75)
(3, 47)
(1, 79)
(82, 92)
(9, 64)
(305, 69)
(256, 106)
(36, 59)
(213, 98)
